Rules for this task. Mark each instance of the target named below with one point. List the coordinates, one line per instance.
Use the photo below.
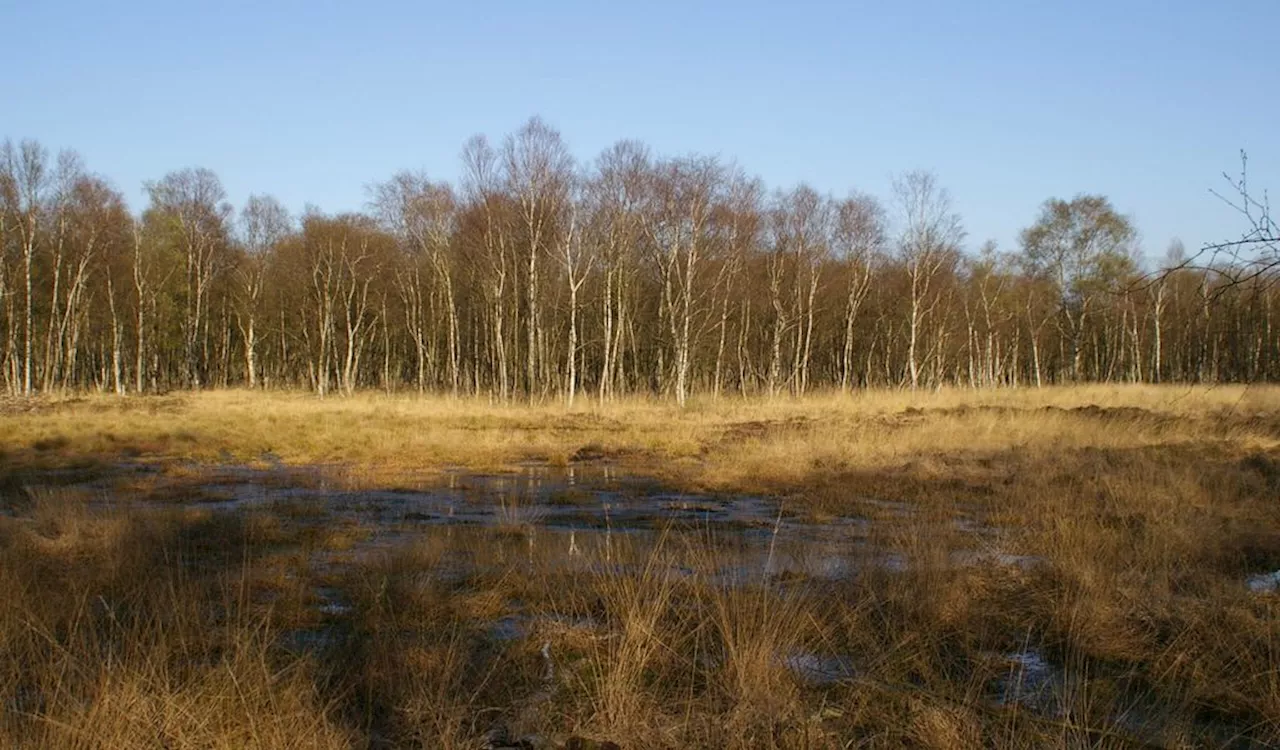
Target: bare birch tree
(677, 225)
(28, 181)
(616, 192)
(264, 223)
(929, 237)
(423, 214)
(538, 173)
(859, 238)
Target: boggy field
(1075, 567)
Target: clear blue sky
(1009, 103)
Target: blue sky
(1008, 102)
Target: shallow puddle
(564, 514)
(819, 670)
(583, 502)
(1264, 583)
(1031, 681)
(563, 523)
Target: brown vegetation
(1058, 568)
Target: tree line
(535, 277)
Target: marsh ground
(1076, 567)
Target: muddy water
(573, 509)
(575, 517)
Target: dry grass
(1101, 603)
(131, 631)
(729, 442)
